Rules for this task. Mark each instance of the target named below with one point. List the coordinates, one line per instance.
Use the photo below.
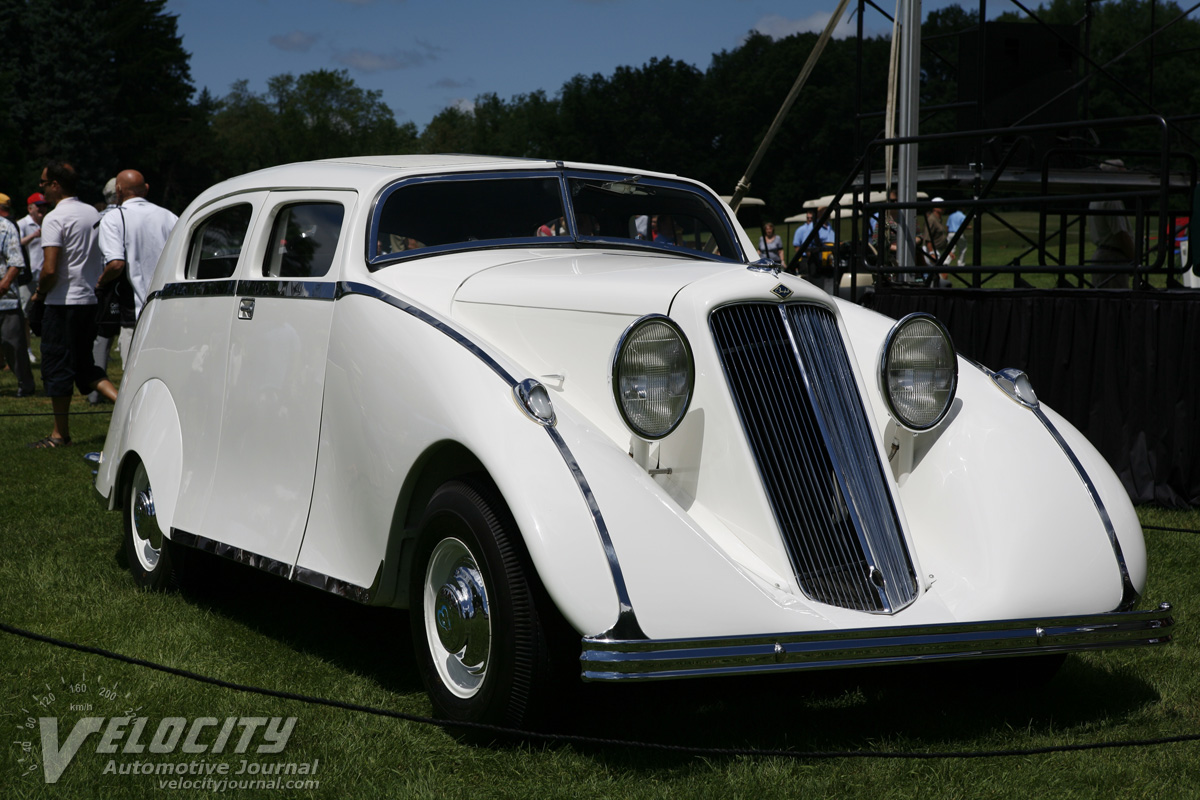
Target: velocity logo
(136, 736)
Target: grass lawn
(60, 575)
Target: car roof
(369, 174)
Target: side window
(303, 240)
(217, 244)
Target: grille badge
(782, 292)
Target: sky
(425, 55)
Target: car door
(186, 340)
(275, 377)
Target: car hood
(629, 284)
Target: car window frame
(375, 261)
(251, 199)
(277, 201)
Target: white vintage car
(557, 412)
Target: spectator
(102, 347)
(665, 231)
(884, 236)
(12, 323)
(70, 269)
(641, 225)
(803, 231)
(1109, 232)
(935, 227)
(825, 232)
(770, 244)
(30, 226)
(953, 223)
(131, 240)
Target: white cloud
(778, 27)
(370, 61)
(464, 105)
(295, 42)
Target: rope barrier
(1173, 530)
(588, 740)
(51, 413)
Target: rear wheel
(149, 553)
(480, 641)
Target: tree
(105, 85)
(320, 114)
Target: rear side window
(303, 240)
(217, 244)
(452, 212)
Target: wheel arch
(156, 440)
(441, 462)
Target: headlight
(918, 372)
(652, 376)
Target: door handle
(246, 308)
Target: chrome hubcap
(457, 624)
(147, 537)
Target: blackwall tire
(479, 637)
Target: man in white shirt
(70, 268)
(131, 239)
(30, 227)
(12, 324)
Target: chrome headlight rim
(885, 363)
(614, 375)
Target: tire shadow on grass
(365, 640)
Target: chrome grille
(803, 416)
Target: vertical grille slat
(792, 383)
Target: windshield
(655, 212)
(426, 216)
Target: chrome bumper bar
(650, 659)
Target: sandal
(50, 441)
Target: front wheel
(480, 641)
(149, 553)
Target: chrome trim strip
(301, 290)
(610, 660)
(350, 287)
(232, 553)
(308, 577)
(627, 626)
(325, 583)
(1129, 595)
(221, 288)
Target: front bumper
(650, 659)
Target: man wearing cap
(131, 239)
(30, 227)
(12, 323)
(936, 226)
(70, 269)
